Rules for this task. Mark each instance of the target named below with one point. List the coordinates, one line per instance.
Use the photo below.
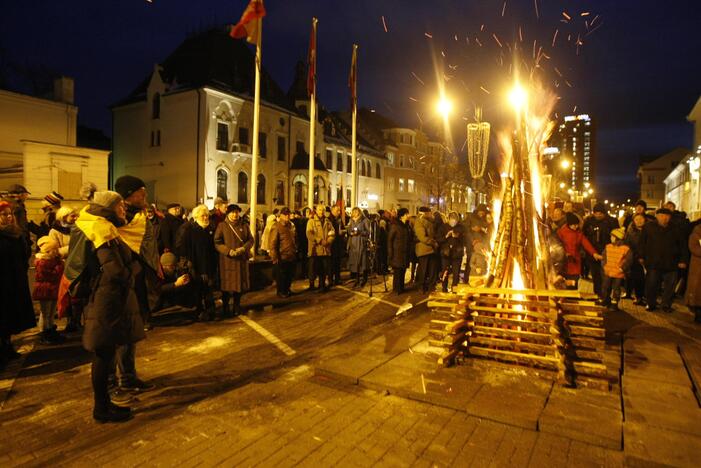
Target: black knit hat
(172, 205)
(126, 185)
(424, 209)
(641, 203)
(401, 212)
(663, 210)
(571, 219)
(233, 207)
(600, 207)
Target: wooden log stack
(557, 330)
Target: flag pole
(256, 124)
(354, 159)
(312, 122)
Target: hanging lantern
(477, 145)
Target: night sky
(637, 70)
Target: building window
(401, 185)
(319, 187)
(279, 192)
(300, 147)
(262, 144)
(349, 163)
(369, 169)
(339, 194)
(222, 136)
(222, 184)
(378, 171)
(281, 153)
(242, 188)
(401, 160)
(243, 135)
(156, 106)
(339, 162)
(650, 179)
(156, 138)
(348, 197)
(410, 186)
(329, 159)
(362, 168)
(390, 184)
(390, 159)
(260, 190)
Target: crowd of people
(110, 265)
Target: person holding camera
(233, 241)
(451, 241)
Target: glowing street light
(591, 190)
(518, 98)
(565, 164)
(444, 106)
(562, 185)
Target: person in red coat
(573, 240)
(49, 269)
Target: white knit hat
(106, 198)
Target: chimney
(63, 90)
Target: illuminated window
(401, 185)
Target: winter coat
(301, 233)
(358, 234)
(62, 235)
(320, 235)
(17, 311)
(662, 248)
(141, 235)
(233, 269)
(632, 240)
(338, 246)
(572, 240)
(48, 272)
(617, 260)
(400, 244)
(693, 286)
(451, 247)
(425, 240)
(283, 242)
(105, 267)
(598, 232)
(265, 238)
(167, 234)
(195, 246)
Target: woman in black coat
(102, 265)
(400, 246)
(195, 246)
(17, 311)
(451, 247)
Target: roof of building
(215, 60)
(667, 162)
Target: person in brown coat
(693, 287)
(233, 241)
(320, 236)
(283, 252)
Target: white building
(652, 176)
(38, 147)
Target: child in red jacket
(49, 269)
(572, 241)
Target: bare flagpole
(312, 113)
(354, 109)
(256, 125)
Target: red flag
(311, 60)
(353, 78)
(249, 23)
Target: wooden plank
(593, 382)
(524, 324)
(448, 327)
(450, 339)
(448, 358)
(590, 368)
(564, 293)
(587, 354)
(520, 358)
(587, 331)
(595, 322)
(543, 338)
(580, 308)
(513, 345)
(442, 305)
(510, 301)
(591, 343)
(525, 313)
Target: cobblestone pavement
(243, 393)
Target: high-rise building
(575, 137)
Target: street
(243, 392)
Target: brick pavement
(227, 396)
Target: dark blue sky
(638, 73)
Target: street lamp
(444, 107)
(518, 98)
(562, 185)
(565, 164)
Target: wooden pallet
(558, 330)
